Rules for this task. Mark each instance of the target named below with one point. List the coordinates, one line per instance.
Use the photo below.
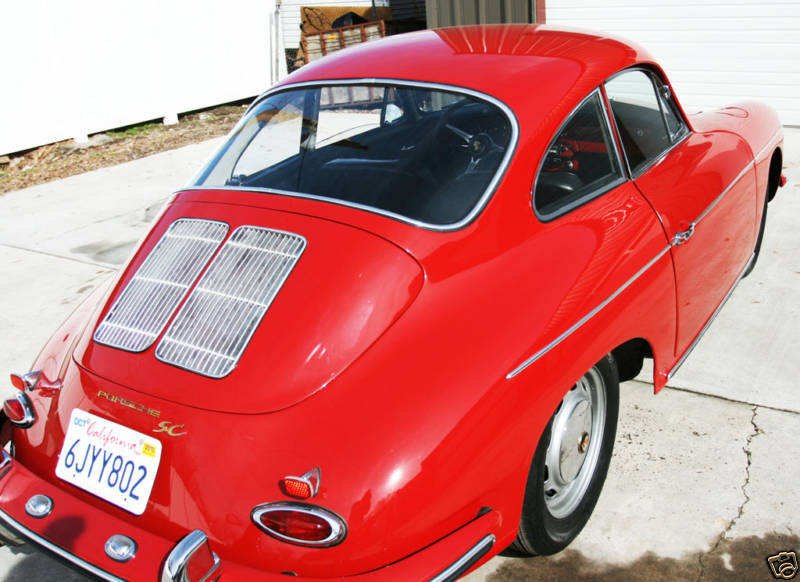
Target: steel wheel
(570, 463)
(574, 449)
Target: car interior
(429, 165)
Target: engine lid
(247, 310)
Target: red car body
(448, 350)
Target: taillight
(300, 524)
(19, 410)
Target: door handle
(684, 235)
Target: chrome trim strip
(586, 317)
(673, 243)
(477, 209)
(711, 319)
(174, 569)
(458, 567)
(725, 191)
(26, 533)
(770, 144)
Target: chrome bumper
(21, 534)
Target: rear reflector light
(300, 524)
(36, 380)
(26, 381)
(19, 410)
(303, 487)
(297, 488)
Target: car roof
(540, 71)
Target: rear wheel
(570, 463)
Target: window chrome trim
(471, 215)
(457, 568)
(596, 193)
(587, 317)
(61, 553)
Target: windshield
(424, 154)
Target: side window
(580, 164)
(637, 112)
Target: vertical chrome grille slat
(217, 321)
(144, 307)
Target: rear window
(417, 153)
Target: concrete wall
(74, 68)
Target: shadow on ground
(36, 566)
(739, 559)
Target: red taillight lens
(300, 526)
(305, 525)
(19, 410)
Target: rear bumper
(76, 533)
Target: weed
(133, 131)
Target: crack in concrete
(722, 536)
(718, 397)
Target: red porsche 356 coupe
(380, 336)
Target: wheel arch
(774, 176)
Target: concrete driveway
(704, 480)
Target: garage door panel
(715, 52)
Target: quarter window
(580, 164)
(638, 114)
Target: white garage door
(714, 52)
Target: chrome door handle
(682, 236)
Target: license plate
(109, 460)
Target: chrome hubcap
(574, 448)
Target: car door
(700, 184)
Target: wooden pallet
(318, 44)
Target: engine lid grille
(140, 313)
(212, 329)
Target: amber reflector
(297, 488)
(297, 525)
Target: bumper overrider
(85, 537)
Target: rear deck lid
(242, 309)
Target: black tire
(550, 521)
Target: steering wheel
(561, 157)
(477, 146)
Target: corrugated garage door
(714, 51)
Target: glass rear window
(421, 153)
